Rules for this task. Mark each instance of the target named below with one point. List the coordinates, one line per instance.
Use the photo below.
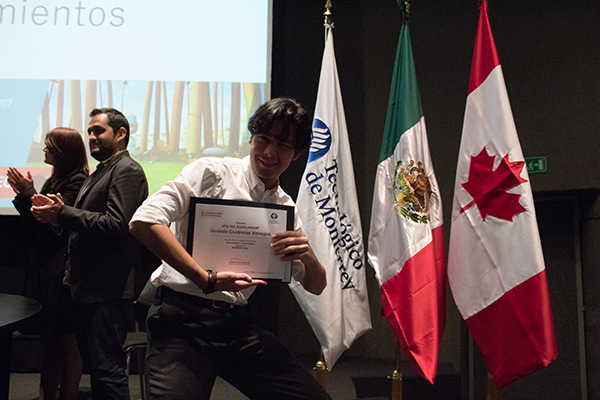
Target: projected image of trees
(172, 122)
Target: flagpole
(510, 349)
(397, 373)
(321, 371)
(397, 376)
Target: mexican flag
(495, 262)
(406, 243)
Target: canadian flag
(495, 263)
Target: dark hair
(293, 115)
(68, 150)
(116, 120)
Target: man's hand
(292, 245)
(233, 282)
(17, 181)
(46, 208)
(163, 243)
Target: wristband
(212, 280)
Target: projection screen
(186, 73)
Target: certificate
(235, 236)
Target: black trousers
(193, 340)
(101, 330)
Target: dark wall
(14, 247)
(550, 56)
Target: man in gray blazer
(102, 253)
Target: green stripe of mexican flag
(405, 102)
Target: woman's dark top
(46, 261)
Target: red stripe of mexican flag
(495, 262)
(409, 303)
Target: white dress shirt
(222, 178)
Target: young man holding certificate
(199, 327)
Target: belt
(166, 292)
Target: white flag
(328, 208)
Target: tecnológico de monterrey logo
(321, 141)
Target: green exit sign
(536, 164)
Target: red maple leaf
(488, 186)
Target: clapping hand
(17, 181)
(46, 208)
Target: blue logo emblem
(273, 215)
(321, 141)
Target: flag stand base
(321, 373)
(396, 385)
(492, 390)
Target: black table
(13, 310)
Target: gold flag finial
(328, 21)
(405, 8)
(327, 13)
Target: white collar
(254, 182)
